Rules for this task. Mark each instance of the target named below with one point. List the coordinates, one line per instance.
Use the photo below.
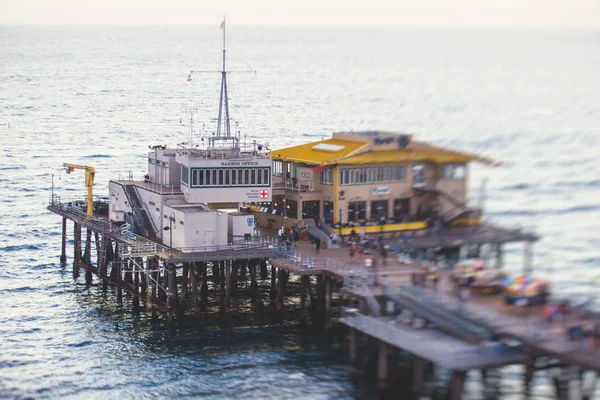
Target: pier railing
(138, 246)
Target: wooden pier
(434, 329)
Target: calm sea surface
(101, 95)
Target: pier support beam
(273, 292)
(353, 355)
(136, 282)
(382, 368)
(88, 254)
(588, 389)
(63, 253)
(172, 300)
(204, 288)
(263, 269)
(228, 285)
(184, 283)
(457, 383)
(303, 289)
(194, 283)
(328, 296)
(320, 297)
(528, 378)
(418, 375)
(154, 266)
(76, 248)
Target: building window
(185, 172)
(208, 180)
(221, 179)
(194, 177)
(418, 175)
(266, 176)
(246, 177)
(311, 209)
(326, 176)
(234, 177)
(400, 173)
(214, 177)
(253, 177)
(200, 178)
(361, 176)
(357, 210)
(291, 209)
(379, 208)
(277, 168)
(328, 212)
(402, 209)
(453, 171)
(227, 183)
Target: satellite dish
(259, 147)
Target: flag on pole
(223, 24)
(189, 79)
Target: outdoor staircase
(141, 221)
(460, 208)
(309, 226)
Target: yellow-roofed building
(370, 178)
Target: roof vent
(332, 148)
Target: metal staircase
(309, 225)
(458, 211)
(141, 221)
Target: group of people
(286, 239)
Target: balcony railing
(295, 186)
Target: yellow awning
(321, 152)
(400, 156)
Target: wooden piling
(320, 289)
(136, 283)
(154, 265)
(273, 292)
(418, 375)
(457, 383)
(76, 248)
(303, 310)
(172, 298)
(228, 285)
(353, 355)
(263, 269)
(194, 284)
(184, 281)
(63, 253)
(382, 368)
(528, 377)
(328, 295)
(204, 288)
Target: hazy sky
(511, 13)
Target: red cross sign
(263, 194)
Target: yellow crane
(89, 182)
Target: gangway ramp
(453, 322)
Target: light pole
(172, 282)
(170, 229)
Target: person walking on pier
(318, 245)
(351, 251)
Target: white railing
(220, 153)
(299, 186)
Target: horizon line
(340, 25)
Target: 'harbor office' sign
(380, 190)
(238, 163)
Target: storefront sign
(375, 191)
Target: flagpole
(224, 27)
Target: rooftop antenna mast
(223, 125)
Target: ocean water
(101, 95)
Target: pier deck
(527, 325)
